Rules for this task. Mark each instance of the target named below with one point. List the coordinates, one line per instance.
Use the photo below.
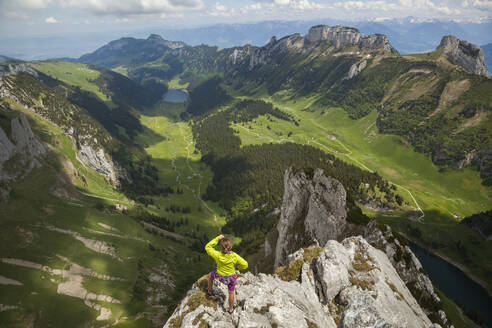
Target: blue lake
(176, 96)
(455, 284)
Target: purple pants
(230, 281)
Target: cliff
(320, 39)
(19, 153)
(368, 280)
(465, 54)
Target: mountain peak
(155, 37)
(341, 36)
(465, 54)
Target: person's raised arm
(209, 248)
(241, 263)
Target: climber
(226, 261)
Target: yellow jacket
(226, 263)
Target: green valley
(107, 207)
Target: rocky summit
(465, 54)
(349, 283)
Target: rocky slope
(348, 284)
(20, 151)
(369, 281)
(465, 54)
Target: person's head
(225, 245)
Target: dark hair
(225, 245)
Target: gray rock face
(14, 69)
(377, 41)
(313, 210)
(350, 284)
(355, 69)
(465, 54)
(406, 264)
(7, 148)
(338, 35)
(19, 154)
(302, 198)
(97, 160)
(24, 138)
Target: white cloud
(298, 4)
(51, 20)
(32, 4)
(482, 4)
(131, 7)
(221, 10)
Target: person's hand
(221, 236)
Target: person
(226, 261)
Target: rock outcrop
(14, 69)
(339, 36)
(465, 54)
(356, 69)
(19, 153)
(369, 280)
(313, 211)
(377, 41)
(313, 43)
(347, 284)
(97, 160)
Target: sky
(33, 18)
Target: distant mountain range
(407, 35)
(5, 59)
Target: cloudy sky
(52, 17)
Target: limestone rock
(359, 288)
(309, 213)
(7, 148)
(465, 54)
(337, 35)
(377, 41)
(355, 69)
(19, 154)
(14, 69)
(96, 159)
(24, 138)
(405, 262)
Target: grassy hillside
(138, 265)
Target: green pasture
(75, 74)
(180, 168)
